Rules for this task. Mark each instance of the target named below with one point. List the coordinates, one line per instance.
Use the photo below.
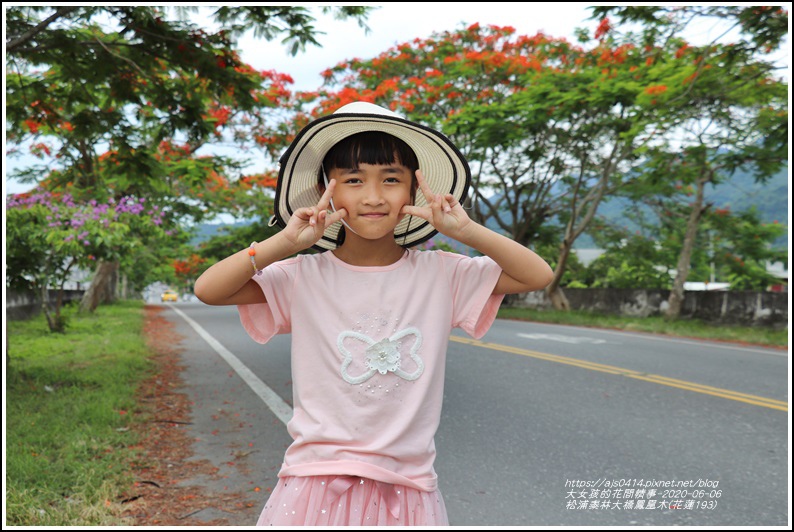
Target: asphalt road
(542, 425)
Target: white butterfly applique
(383, 356)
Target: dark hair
(369, 147)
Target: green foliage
(440, 245)
(765, 27)
(740, 246)
(629, 261)
(51, 235)
(271, 21)
(737, 192)
(233, 239)
(730, 247)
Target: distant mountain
(205, 231)
(738, 192)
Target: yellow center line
(614, 370)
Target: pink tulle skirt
(350, 501)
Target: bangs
(370, 147)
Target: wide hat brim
(444, 168)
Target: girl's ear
(414, 187)
(322, 180)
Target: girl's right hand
(306, 226)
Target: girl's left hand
(443, 211)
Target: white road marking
(277, 405)
(700, 343)
(565, 339)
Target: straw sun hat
(444, 167)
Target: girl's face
(373, 196)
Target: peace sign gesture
(306, 226)
(443, 211)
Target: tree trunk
(97, 292)
(676, 298)
(553, 290)
(558, 299)
(109, 294)
(123, 291)
(589, 203)
(45, 307)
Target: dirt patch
(166, 461)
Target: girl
(370, 317)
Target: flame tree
(553, 128)
(730, 113)
(550, 127)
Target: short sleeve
(262, 321)
(472, 281)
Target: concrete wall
(23, 305)
(769, 309)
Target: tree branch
(130, 61)
(12, 46)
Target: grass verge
(69, 404)
(657, 325)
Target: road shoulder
(174, 485)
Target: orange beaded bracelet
(252, 254)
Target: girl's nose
(373, 195)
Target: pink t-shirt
(368, 352)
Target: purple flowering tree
(49, 236)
